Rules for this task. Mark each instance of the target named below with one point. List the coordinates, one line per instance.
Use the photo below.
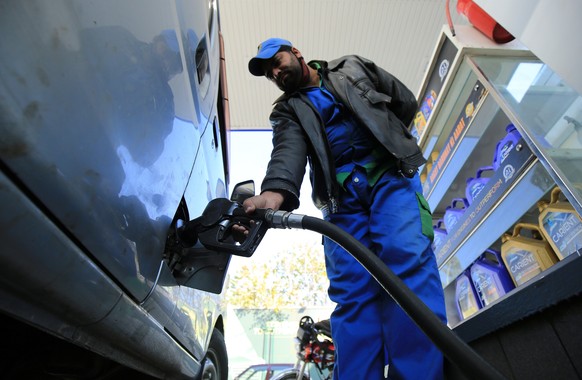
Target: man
(348, 118)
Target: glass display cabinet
(502, 134)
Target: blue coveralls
(372, 335)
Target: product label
(466, 299)
(439, 238)
(522, 265)
(508, 172)
(505, 149)
(485, 285)
(565, 230)
(476, 188)
(450, 221)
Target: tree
(292, 278)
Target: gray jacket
(379, 102)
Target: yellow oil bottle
(560, 224)
(525, 257)
(431, 160)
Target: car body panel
(35, 288)
(109, 124)
(112, 134)
(49, 299)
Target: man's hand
(268, 199)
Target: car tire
(215, 364)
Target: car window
(256, 375)
(263, 372)
(259, 374)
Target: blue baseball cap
(265, 51)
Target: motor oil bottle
(505, 145)
(490, 277)
(440, 235)
(454, 212)
(560, 224)
(432, 159)
(466, 296)
(476, 184)
(525, 257)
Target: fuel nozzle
(213, 229)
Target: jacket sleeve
(403, 103)
(286, 167)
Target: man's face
(285, 70)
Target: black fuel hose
(452, 347)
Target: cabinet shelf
(555, 284)
(486, 90)
(475, 150)
(493, 220)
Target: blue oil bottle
(477, 183)
(454, 212)
(490, 277)
(505, 145)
